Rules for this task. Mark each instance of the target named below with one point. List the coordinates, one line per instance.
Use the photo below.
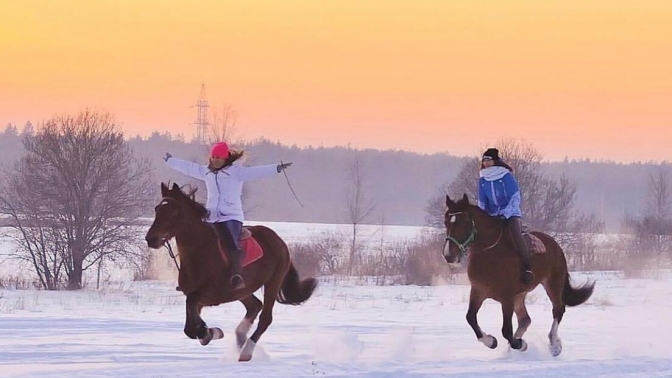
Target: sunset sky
(576, 78)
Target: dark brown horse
(494, 269)
(204, 275)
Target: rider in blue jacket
(499, 196)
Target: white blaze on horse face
(446, 246)
(446, 249)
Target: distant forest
(398, 185)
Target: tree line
(74, 187)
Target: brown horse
(204, 276)
(494, 269)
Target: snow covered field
(134, 329)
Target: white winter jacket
(225, 186)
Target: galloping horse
(494, 269)
(204, 276)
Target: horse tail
(295, 291)
(574, 296)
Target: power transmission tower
(202, 124)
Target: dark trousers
(516, 229)
(229, 232)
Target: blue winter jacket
(498, 192)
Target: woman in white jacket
(224, 184)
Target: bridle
(169, 236)
(464, 246)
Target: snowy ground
(135, 330)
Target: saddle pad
(534, 243)
(253, 251)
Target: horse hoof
(523, 345)
(555, 349)
(206, 340)
(246, 352)
(214, 333)
(244, 357)
(519, 344)
(489, 341)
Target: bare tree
(659, 201)
(74, 196)
(359, 206)
(223, 125)
(652, 231)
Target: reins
(171, 254)
(284, 171)
(167, 242)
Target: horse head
(466, 224)
(460, 229)
(175, 210)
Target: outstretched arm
(257, 172)
(188, 168)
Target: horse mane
(189, 199)
(476, 209)
(473, 209)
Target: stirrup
(237, 282)
(526, 277)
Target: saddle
(534, 244)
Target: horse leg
(252, 306)
(194, 326)
(507, 326)
(475, 302)
(523, 317)
(271, 290)
(554, 291)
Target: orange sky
(576, 78)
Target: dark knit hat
(491, 154)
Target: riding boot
(237, 281)
(515, 227)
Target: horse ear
(164, 190)
(176, 188)
(448, 200)
(465, 198)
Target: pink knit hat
(220, 150)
